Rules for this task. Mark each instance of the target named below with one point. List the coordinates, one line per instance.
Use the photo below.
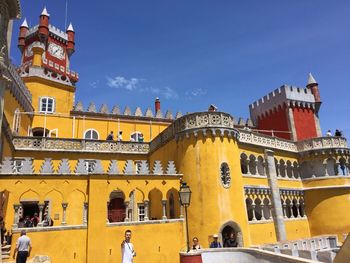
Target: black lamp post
(185, 200)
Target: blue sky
(194, 53)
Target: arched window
(252, 164)
(261, 169)
(171, 206)
(295, 170)
(289, 169)
(258, 209)
(249, 206)
(343, 170)
(301, 207)
(116, 207)
(266, 210)
(91, 134)
(282, 168)
(295, 208)
(288, 208)
(244, 165)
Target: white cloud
(190, 94)
(94, 84)
(123, 83)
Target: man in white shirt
(23, 248)
(128, 252)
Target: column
(270, 210)
(253, 212)
(64, 206)
(181, 211)
(16, 217)
(164, 209)
(146, 202)
(41, 209)
(248, 166)
(284, 210)
(275, 196)
(85, 213)
(298, 209)
(126, 211)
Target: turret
(313, 86)
(71, 44)
(157, 105)
(23, 30)
(44, 25)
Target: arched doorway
(116, 207)
(40, 132)
(229, 227)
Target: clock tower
(45, 65)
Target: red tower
(289, 112)
(157, 105)
(54, 48)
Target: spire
(70, 27)
(44, 12)
(25, 24)
(311, 80)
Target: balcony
(322, 143)
(78, 145)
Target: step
(6, 247)
(5, 256)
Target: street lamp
(185, 200)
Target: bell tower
(45, 64)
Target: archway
(230, 227)
(116, 207)
(40, 132)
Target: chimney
(157, 105)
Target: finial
(311, 80)
(70, 27)
(25, 24)
(44, 12)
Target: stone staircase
(5, 252)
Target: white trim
(86, 131)
(54, 130)
(53, 107)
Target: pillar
(126, 211)
(275, 196)
(16, 217)
(164, 209)
(41, 209)
(64, 206)
(181, 211)
(253, 212)
(146, 202)
(85, 213)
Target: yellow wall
(328, 211)
(297, 229)
(262, 233)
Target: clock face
(56, 51)
(29, 50)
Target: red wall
(277, 121)
(190, 258)
(304, 122)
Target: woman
(196, 244)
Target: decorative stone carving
(79, 106)
(116, 110)
(47, 166)
(138, 112)
(178, 115)
(149, 113)
(157, 168)
(171, 169)
(225, 175)
(127, 111)
(159, 114)
(64, 167)
(129, 167)
(169, 115)
(7, 166)
(92, 107)
(113, 167)
(104, 109)
(80, 168)
(144, 169)
(97, 168)
(27, 167)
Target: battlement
(54, 32)
(285, 95)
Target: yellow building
(270, 179)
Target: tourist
(35, 220)
(196, 244)
(28, 222)
(23, 248)
(329, 133)
(120, 136)
(128, 252)
(215, 243)
(21, 223)
(110, 136)
(141, 137)
(231, 241)
(47, 220)
(337, 133)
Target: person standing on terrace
(128, 252)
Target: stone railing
(195, 122)
(13, 72)
(250, 137)
(78, 145)
(322, 143)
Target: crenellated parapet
(85, 167)
(116, 112)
